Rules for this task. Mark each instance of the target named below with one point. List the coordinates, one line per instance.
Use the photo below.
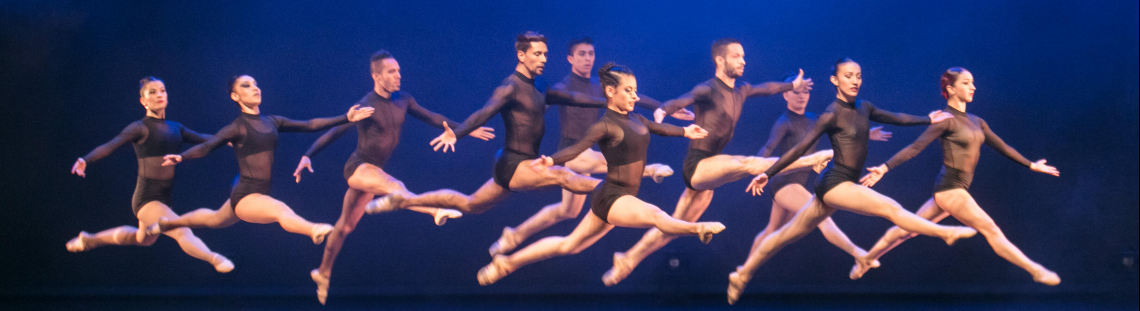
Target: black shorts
(355, 161)
(147, 190)
(804, 178)
(689, 167)
(603, 198)
(505, 165)
(951, 178)
(247, 186)
(833, 176)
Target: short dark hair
(377, 59)
(611, 73)
(234, 81)
(577, 41)
(145, 81)
(841, 61)
(949, 77)
(719, 44)
(524, 40)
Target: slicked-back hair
(610, 74)
(377, 60)
(841, 61)
(144, 82)
(522, 43)
(948, 78)
(718, 46)
(576, 41)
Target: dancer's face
(964, 88)
(624, 96)
(154, 96)
(534, 58)
(388, 78)
(848, 78)
(732, 62)
(246, 92)
(797, 101)
(582, 59)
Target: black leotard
(522, 102)
(624, 140)
(790, 129)
(717, 108)
(962, 138)
(846, 124)
(254, 138)
(380, 133)
(152, 138)
(575, 121)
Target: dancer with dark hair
(962, 137)
(575, 121)
(718, 103)
(846, 122)
(254, 137)
(521, 100)
(624, 140)
(378, 136)
(152, 137)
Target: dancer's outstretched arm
(701, 91)
(355, 113)
(884, 116)
(773, 88)
(133, 132)
(325, 140)
(825, 122)
(995, 142)
(227, 134)
(932, 132)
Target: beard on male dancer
(364, 170)
(718, 103)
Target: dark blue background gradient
(1056, 79)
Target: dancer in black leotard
(718, 103)
(522, 101)
(152, 137)
(790, 189)
(624, 140)
(254, 137)
(378, 136)
(962, 138)
(575, 122)
(846, 124)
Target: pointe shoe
(384, 204)
(658, 172)
(619, 272)
(322, 285)
(736, 286)
(1047, 277)
(861, 267)
(320, 231)
(961, 233)
(79, 243)
(443, 214)
(505, 244)
(708, 230)
(224, 265)
(493, 272)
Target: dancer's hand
(484, 133)
(79, 167)
(800, 84)
(171, 160)
(305, 163)
(683, 114)
(756, 187)
(659, 115)
(542, 164)
(1040, 167)
(694, 131)
(445, 140)
(878, 134)
(355, 113)
(939, 115)
(872, 178)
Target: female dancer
(152, 137)
(846, 123)
(962, 138)
(624, 140)
(254, 137)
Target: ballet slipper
(960, 233)
(322, 285)
(443, 214)
(619, 272)
(320, 231)
(658, 172)
(708, 229)
(79, 243)
(1044, 276)
(736, 285)
(823, 157)
(224, 265)
(505, 244)
(384, 204)
(493, 272)
(861, 267)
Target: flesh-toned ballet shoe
(736, 286)
(79, 243)
(156, 228)
(708, 229)
(443, 214)
(320, 231)
(493, 272)
(961, 233)
(224, 265)
(1044, 276)
(658, 172)
(861, 266)
(505, 244)
(384, 204)
(322, 285)
(619, 272)
(823, 157)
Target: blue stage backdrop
(1056, 79)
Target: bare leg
(149, 214)
(779, 216)
(689, 208)
(859, 199)
(568, 208)
(372, 179)
(202, 218)
(490, 194)
(630, 212)
(896, 236)
(807, 219)
(350, 214)
(959, 203)
(262, 209)
(587, 233)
